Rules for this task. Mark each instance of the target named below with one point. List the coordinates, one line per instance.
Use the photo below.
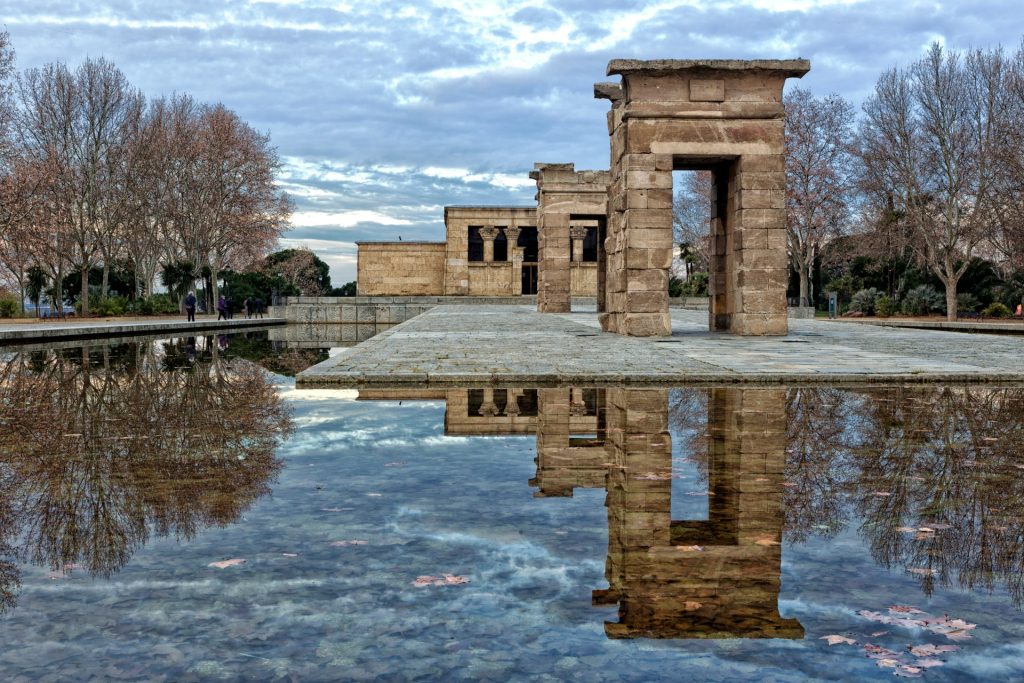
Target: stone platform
(516, 346)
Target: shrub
(8, 305)
(695, 285)
(864, 301)
(922, 300)
(996, 310)
(967, 302)
(675, 286)
(884, 307)
(110, 306)
(156, 304)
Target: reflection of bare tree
(940, 485)
(101, 446)
(817, 421)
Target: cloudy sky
(384, 112)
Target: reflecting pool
(179, 510)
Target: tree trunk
(213, 288)
(951, 301)
(802, 269)
(106, 280)
(85, 291)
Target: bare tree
(818, 171)
(928, 137)
(75, 123)
(691, 220)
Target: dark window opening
(590, 246)
(476, 244)
(528, 243)
(529, 278)
(501, 247)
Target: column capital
(578, 232)
(512, 233)
(488, 232)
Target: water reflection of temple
(713, 578)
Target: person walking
(190, 307)
(247, 307)
(259, 307)
(222, 308)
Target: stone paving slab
(23, 333)
(515, 345)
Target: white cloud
(343, 219)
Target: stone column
(488, 233)
(515, 253)
(577, 233)
(512, 404)
(488, 407)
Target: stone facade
(570, 203)
(485, 277)
(725, 116)
(447, 269)
(421, 265)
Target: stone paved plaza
(514, 345)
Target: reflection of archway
(725, 116)
(718, 577)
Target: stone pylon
(722, 116)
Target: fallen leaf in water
(906, 529)
(904, 609)
(907, 671)
(930, 650)
(764, 540)
(927, 663)
(922, 571)
(345, 544)
(224, 564)
(691, 606)
(375, 495)
(399, 463)
(290, 554)
(443, 580)
(883, 493)
(878, 633)
(700, 493)
(690, 548)
(888, 662)
(837, 640)
(335, 509)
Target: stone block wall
(725, 116)
(487, 277)
(400, 268)
(565, 195)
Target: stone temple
(608, 234)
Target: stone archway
(725, 116)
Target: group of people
(252, 307)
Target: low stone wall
(390, 310)
(801, 312)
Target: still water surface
(178, 510)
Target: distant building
(488, 251)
